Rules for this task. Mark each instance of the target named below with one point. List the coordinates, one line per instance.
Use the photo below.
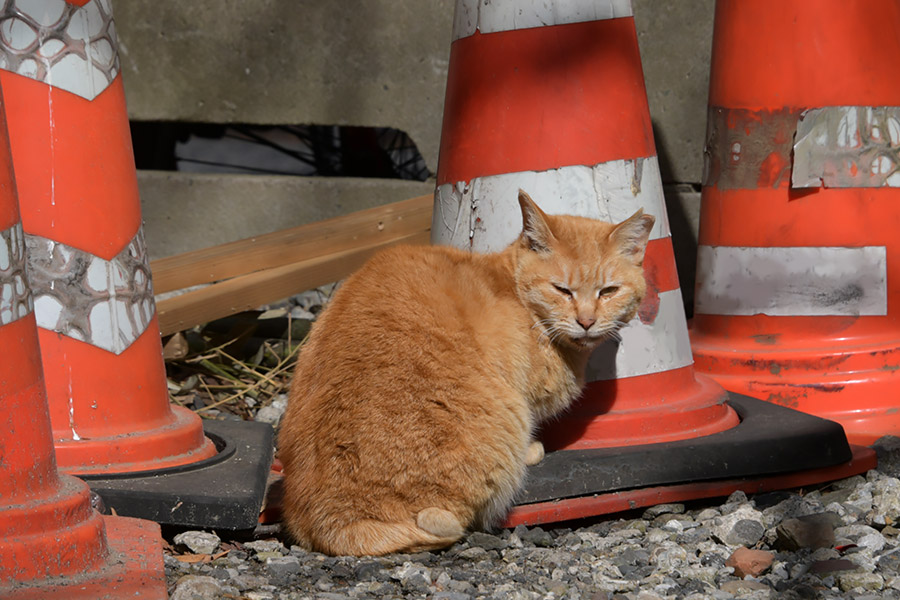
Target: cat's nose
(586, 322)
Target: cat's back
(412, 321)
(417, 271)
(405, 291)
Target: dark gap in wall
(302, 150)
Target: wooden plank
(249, 291)
(355, 230)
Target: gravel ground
(837, 541)
(840, 540)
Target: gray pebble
(198, 542)
(811, 531)
(486, 541)
(273, 412)
(536, 537)
(283, 566)
(661, 509)
(266, 546)
(198, 587)
(451, 596)
(888, 450)
(745, 532)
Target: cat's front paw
(534, 454)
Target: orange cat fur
(412, 408)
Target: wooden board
(332, 236)
(252, 272)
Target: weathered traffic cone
(552, 101)
(798, 274)
(98, 328)
(47, 526)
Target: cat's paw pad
(439, 522)
(534, 454)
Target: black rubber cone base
(770, 440)
(222, 492)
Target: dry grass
(234, 366)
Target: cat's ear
(535, 230)
(631, 235)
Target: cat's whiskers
(542, 322)
(555, 332)
(607, 331)
(549, 329)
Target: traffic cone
(798, 274)
(552, 101)
(89, 269)
(47, 526)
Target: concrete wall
(355, 62)
(335, 62)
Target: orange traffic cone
(552, 101)
(47, 526)
(798, 300)
(98, 328)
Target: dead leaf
(176, 348)
(194, 558)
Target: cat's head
(581, 278)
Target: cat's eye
(608, 291)
(562, 289)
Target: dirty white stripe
(646, 348)
(505, 15)
(65, 46)
(483, 214)
(793, 281)
(106, 303)
(847, 146)
(15, 295)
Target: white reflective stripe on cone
(791, 281)
(847, 146)
(15, 295)
(646, 348)
(73, 48)
(106, 303)
(483, 214)
(507, 15)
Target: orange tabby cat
(413, 404)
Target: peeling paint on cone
(16, 300)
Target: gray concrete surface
(683, 208)
(675, 38)
(188, 211)
(340, 62)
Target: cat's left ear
(535, 230)
(632, 234)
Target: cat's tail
(433, 528)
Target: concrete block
(675, 39)
(342, 62)
(683, 210)
(188, 211)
